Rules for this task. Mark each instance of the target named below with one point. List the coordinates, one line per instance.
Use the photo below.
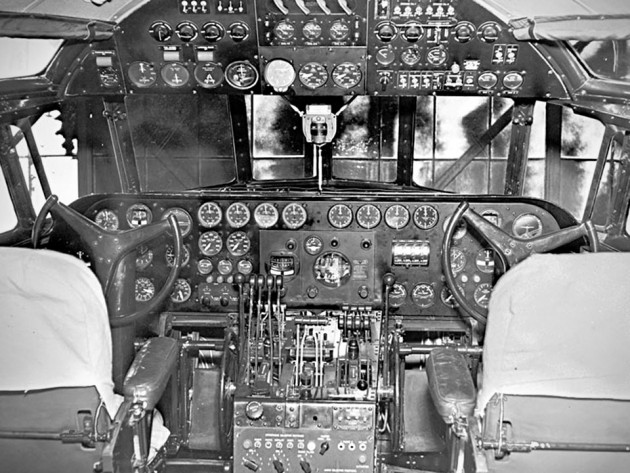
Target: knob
(306, 466)
(224, 301)
(278, 466)
(250, 464)
(261, 281)
(389, 279)
(254, 410)
(239, 279)
(364, 292)
(362, 385)
(323, 448)
(252, 280)
(279, 282)
(312, 292)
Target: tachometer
(347, 75)
(368, 216)
(210, 243)
(482, 295)
(170, 256)
(426, 217)
(209, 214)
(294, 216)
(340, 216)
(237, 215)
(527, 226)
(106, 219)
(144, 290)
(423, 295)
(181, 291)
(238, 244)
(139, 215)
(397, 216)
(266, 215)
(184, 220)
(313, 75)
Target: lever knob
(239, 279)
(389, 279)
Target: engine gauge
(426, 217)
(209, 214)
(213, 31)
(312, 30)
(225, 267)
(410, 56)
(142, 74)
(339, 30)
(245, 267)
(204, 266)
(458, 260)
(423, 295)
(237, 215)
(144, 257)
(313, 75)
(210, 243)
(144, 290)
(139, 215)
(184, 220)
(266, 215)
(209, 75)
(347, 75)
(482, 295)
(170, 256)
(181, 291)
(238, 244)
(107, 219)
(279, 74)
(437, 56)
(175, 74)
(241, 75)
(527, 226)
(397, 216)
(294, 216)
(460, 230)
(368, 216)
(284, 30)
(485, 260)
(313, 245)
(447, 297)
(332, 269)
(340, 216)
(397, 295)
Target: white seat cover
(559, 325)
(54, 330)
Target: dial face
(106, 219)
(527, 226)
(144, 257)
(447, 298)
(209, 75)
(266, 215)
(340, 216)
(410, 56)
(397, 217)
(332, 269)
(279, 74)
(184, 220)
(212, 31)
(385, 56)
(458, 260)
(485, 260)
(482, 295)
(437, 56)
(175, 74)
(397, 295)
(186, 31)
(423, 295)
(181, 291)
(209, 214)
(294, 216)
(241, 75)
(347, 75)
(225, 267)
(313, 245)
(238, 244)
(245, 267)
(312, 30)
(139, 215)
(368, 216)
(210, 243)
(161, 31)
(460, 230)
(284, 30)
(339, 30)
(144, 290)
(170, 256)
(237, 215)
(142, 74)
(204, 266)
(313, 75)
(426, 217)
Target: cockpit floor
(424, 428)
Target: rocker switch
(250, 464)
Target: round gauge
(175, 74)
(368, 216)
(210, 243)
(437, 56)
(332, 269)
(527, 226)
(142, 74)
(340, 216)
(487, 80)
(513, 80)
(144, 290)
(339, 30)
(266, 215)
(139, 215)
(144, 257)
(426, 217)
(209, 75)
(410, 56)
(238, 243)
(464, 31)
(385, 56)
(447, 298)
(238, 31)
(284, 30)
(485, 260)
(225, 267)
(294, 216)
(313, 75)
(460, 230)
(241, 75)
(244, 267)
(106, 219)
(184, 220)
(397, 216)
(482, 295)
(186, 31)
(493, 217)
(181, 291)
(311, 30)
(347, 75)
(423, 295)
(279, 74)
(458, 260)
(237, 215)
(313, 245)
(412, 32)
(209, 214)
(170, 256)
(212, 31)
(204, 266)
(397, 295)
(161, 31)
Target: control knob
(254, 410)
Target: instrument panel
(331, 252)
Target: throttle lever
(302, 6)
(281, 7)
(344, 6)
(324, 7)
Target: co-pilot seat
(555, 388)
(58, 409)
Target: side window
(8, 218)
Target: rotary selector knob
(254, 410)
(386, 32)
(161, 31)
(186, 31)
